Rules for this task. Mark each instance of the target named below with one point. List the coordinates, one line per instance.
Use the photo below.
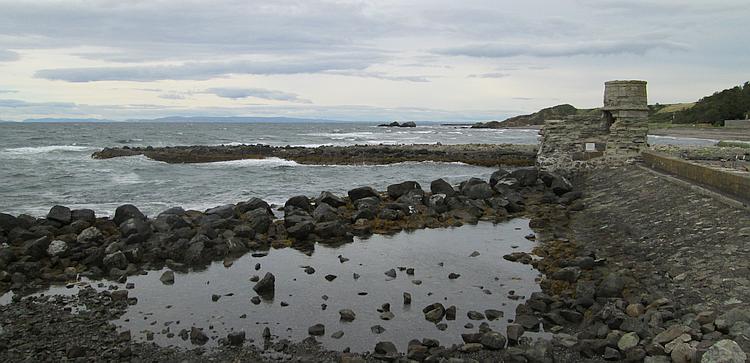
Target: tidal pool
(486, 281)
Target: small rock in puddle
(330, 277)
(377, 329)
(391, 273)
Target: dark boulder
(266, 285)
(252, 204)
(408, 124)
(299, 201)
(478, 191)
(87, 215)
(560, 186)
(370, 203)
(177, 211)
(397, 190)
(497, 176)
(301, 230)
(36, 248)
(258, 219)
(59, 214)
(441, 186)
(125, 212)
(493, 341)
(390, 214)
(386, 350)
(362, 192)
(325, 213)
(236, 338)
(197, 336)
(115, 260)
(223, 211)
(168, 222)
(196, 253)
(525, 176)
(330, 229)
(134, 226)
(7, 222)
(331, 199)
(611, 286)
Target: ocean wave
(343, 135)
(44, 149)
(128, 141)
(126, 179)
(273, 162)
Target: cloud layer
(305, 58)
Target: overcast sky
(358, 60)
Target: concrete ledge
(733, 184)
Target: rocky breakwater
(68, 244)
(473, 154)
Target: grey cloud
(613, 47)
(11, 103)
(205, 70)
(172, 96)
(8, 91)
(381, 75)
(8, 56)
(266, 94)
(489, 75)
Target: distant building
(737, 124)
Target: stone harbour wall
(616, 136)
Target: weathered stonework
(618, 135)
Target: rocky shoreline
(602, 299)
(472, 154)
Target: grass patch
(739, 144)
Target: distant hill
(75, 120)
(536, 118)
(729, 104)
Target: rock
(330, 277)
(560, 186)
(386, 348)
(325, 213)
(119, 295)
(525, 176)
(569, 274)
(529, 322)
(475, 315)
(450, 313)
(309, 270)
(347, 315)
(480, 190)
(57, 248)
(317, 330)
(255, 300)
(453, 276)
(331, 199)
(36, 248)
(671, 334)
(60, 214)
(627, 341)
(135, 226)
(441, 186)
(683, 353)
(90, 235)
(387, 315)
(434, 312)
(362, 192)
(611, 354)
(125, 212)
(493, 341)
(497, 176)
(236, 338)
(7, 221)
(75, 351)
(724, 351)
(397, 190)
(391, 273)
(266, 285)
(514, 332)
(493, 314)
(301, 230)
(474, 254)
(611, 286)
(407, 298)
(299, 201)
(377, 329)
(167, 278)
(635, 310)
(197, 336)
(115, 260)
(224, 211)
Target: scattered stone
(724, 351)
(391, 273)
(407, 298)
(317, 330)
(330, 277)
(347, 315)
(514, 332)
(493, 314)
(474, 254)
(197, 336)
(377, 329)
(337, 335)
(236, 338)
(475, 315)
(493, 340)
(266, 285)
(453, 276)
(627, 341)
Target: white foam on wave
(343, 135)
(44, 149)
(257, 162)
(125, 179)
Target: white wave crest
(257, 162)
(44, 149)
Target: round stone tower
(625, 95)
